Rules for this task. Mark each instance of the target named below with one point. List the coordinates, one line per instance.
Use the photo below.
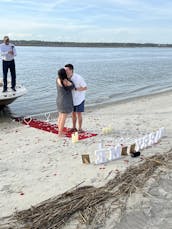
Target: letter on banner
(101, 156)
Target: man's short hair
(6, 38)
(70, 66)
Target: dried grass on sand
(85, 201)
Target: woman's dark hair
(62, 75)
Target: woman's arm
(68, 84)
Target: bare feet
(61, 135)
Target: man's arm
(3, 52)
(82, 85)
(14, 50)
(81, 89)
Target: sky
(138, 21)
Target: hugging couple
(71, 88)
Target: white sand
(36, 165)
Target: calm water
(111, 74)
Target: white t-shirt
(78, 96)
(4, 51)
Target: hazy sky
(87, 20)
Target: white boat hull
(10, 96)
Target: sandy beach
(36, 165)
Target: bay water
(111, 74)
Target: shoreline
(126, 100)
(92, 107)
(39, 43)
(36, 165)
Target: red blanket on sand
(46, 126)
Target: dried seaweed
(84, 201)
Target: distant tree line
(86, 44)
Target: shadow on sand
(5, 114)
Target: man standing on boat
(8, 52)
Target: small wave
(144, 88)
(116, 95)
